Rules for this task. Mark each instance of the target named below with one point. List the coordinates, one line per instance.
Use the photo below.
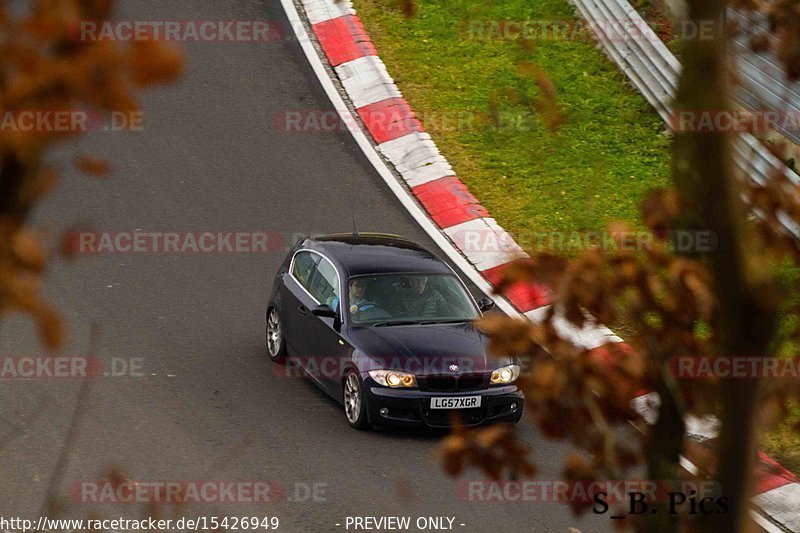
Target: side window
(305, 265)
(325, 284)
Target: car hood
(427, 349)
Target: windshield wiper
(451, 321)
(396, 323)
(419, 322)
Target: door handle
(302, 310)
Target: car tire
(275, 341)
(355, 407)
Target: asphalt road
(211, 406)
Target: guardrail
(655, 71)
(763, 84)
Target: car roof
(376, 253)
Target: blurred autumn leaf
(44, 66)
(93, 166)
(707, 302)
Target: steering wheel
(369, 311)
(363, 307)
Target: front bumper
(411, 407)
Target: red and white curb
(422, 179)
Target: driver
(358, 287)
(421, 299)
(356, 290)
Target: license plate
(457, 402)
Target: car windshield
(396, 299)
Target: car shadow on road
(380, 431)
(384, 431)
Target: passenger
(421, 300)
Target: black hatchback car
(386, 328)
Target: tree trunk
(663, 453)
(703, 171)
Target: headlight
(391, 378)
(505, 374)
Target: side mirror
(485, 304)
(324, 310)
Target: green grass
(783, 443)
(595, 169)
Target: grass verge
(454, 57)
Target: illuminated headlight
(390, 378)
(506, 374)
